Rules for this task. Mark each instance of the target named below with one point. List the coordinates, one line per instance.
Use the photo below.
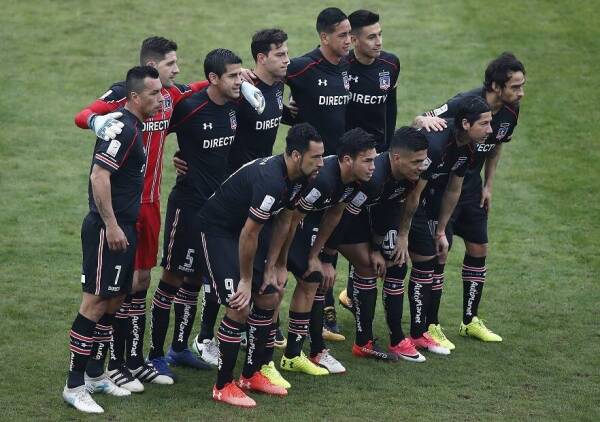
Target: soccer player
(255, 137)
(205, 124)
(330, 192)
(450, 153)
(320, 86)
(373, 80)
(230, 224)
(503, 91)
(108, 240)
(368, 241)
(130, 323)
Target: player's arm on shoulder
(434, 119)
(100, 115)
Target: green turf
(542, 292)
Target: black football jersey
(205, 133)
(373, 105)
(256, 133)
(125, 158)
(257, 190)
(321, 91)
(503, 125)
(327, 189)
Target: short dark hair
(354, 142)
(329, 18)
(470, 108)
(262, 40)
(499, 70)
(217, 60)
(155, 48)
(299, 137)
(134, 81)
(361, 18)
(410, 139)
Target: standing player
(450, 153)
(108, 239)
(373, 80)
(331, 191)
(205, 124)
(161, 54)
(230, 224)
(373, 83)
(503, 91)
(320, 85)
(368, 241)
(254, 138)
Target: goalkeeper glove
(254, 97)
(106, 127)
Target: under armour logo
(353, 78)
(207, 126)
(323, 82)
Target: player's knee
(476, 250)
(93, 307)
(238, 315)
(171, 278)
(309, 288)
(141, 281)
(269, 301)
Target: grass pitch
(542, 292)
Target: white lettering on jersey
(152, 126)
(113, 148)
(312, 196)
(334, 99)
(368, 99)
(268, 124)
(218, 142)
(267, 203)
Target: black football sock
(315, 328)
(473, 275)
(437, 288)
(260, 322)
(329, 301)
(364, 299)
(297, 331)
(137, 329)
(210, 311)
(393, 301)
(419, 295)
(80, 346)
(270, 346)
(350, 284)
(160, 309)
(185, 304)
(119, 337)
(102, 338)
(229, 335)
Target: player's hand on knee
(377, 263)
(180, 165)
(441, 247)
(117, 241)
(270, 279)
(254, 96)
(400, 254)
(328, 276)
(314, 265)
(241, 298)
(106, 126)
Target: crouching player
(230, 224)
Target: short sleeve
(265, 201)
(111, 154)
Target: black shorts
(220, 267)
(306, 233)
(421, 236)
(354, 228)
(181, 240)
(106, 273)
(469, 221)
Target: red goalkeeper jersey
(155, 128)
